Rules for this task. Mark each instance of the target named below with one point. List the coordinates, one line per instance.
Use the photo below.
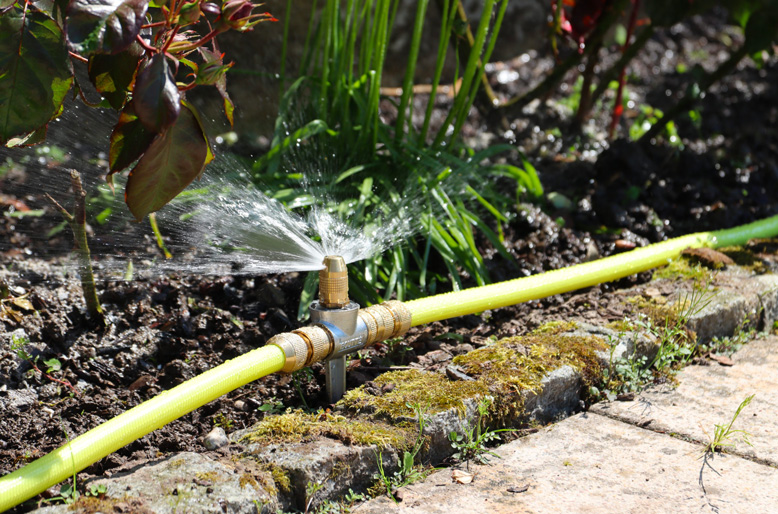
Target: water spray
(340, 327)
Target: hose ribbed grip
(295, 349)
(319, 343)
(385, 320)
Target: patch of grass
(724, 436)
(409, 471)
(471, 446)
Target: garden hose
(105, 439)
(328, 339)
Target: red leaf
(170, 164)
(155, 95)
(129, 140)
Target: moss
(621, 325)
(280, 477)
(556, 327)
(683, 269)
(92, 504)
(299, 426)
(433, 392)
(340, 470)
(247, 479)
(517, 364)
(209, 476)
(744, 258)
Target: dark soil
(163, 331)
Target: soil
(162, 331)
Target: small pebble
(216, 438)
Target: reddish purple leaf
(129, 140)
(155, 95)
(171, 163)
(104, 26)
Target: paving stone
(592, 464)
(709, 395)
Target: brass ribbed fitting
(295, 349)
(333, 283)
(385, 320)
(319, 343)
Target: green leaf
(156, 96)
(35, 71)
(762, 29)
(113, 74)
(171, 163)
(129, 140)
(104, 26)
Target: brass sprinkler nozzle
(333, 283)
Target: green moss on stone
(432, 392)
(683, 269)
(299, 426)
(556, 327)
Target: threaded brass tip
(333, 283)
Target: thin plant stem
(77, 222)
(617, 107)
(688, 101)
(612, 73)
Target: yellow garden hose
(105, 439)
(306, 345)
(478, 299)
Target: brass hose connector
(306, 345)
(333, 283)
(385, 320)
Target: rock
(184, 482)
(215, 439)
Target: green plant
(724, 436)
(220, 420)
(272, 406)
(311, 488)
(96, 490)
(471, 445)
(140, 67)
(18, 346)
(380, 171)
(409, 472)
(77, 222)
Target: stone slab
(592, 464)
(710, 395)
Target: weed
(724, 436)
(272, 406)
(409, 472)
(729, 345)
(96, 490)
(311, 488)
(18, 346)
(220, 420)
(471, 446)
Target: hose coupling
(332, 336)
